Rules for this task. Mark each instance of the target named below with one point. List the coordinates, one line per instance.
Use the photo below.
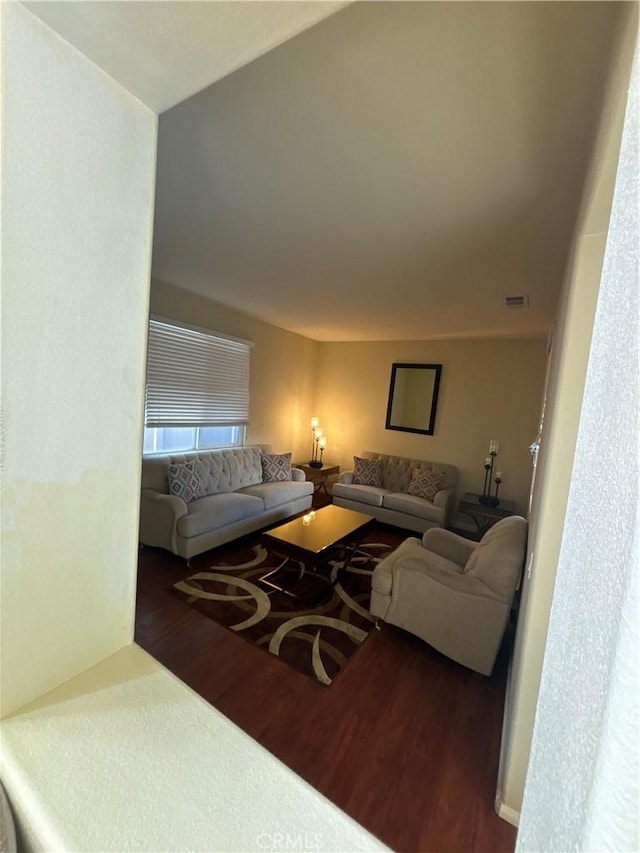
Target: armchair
(453, 593)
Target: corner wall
(76, 224)
(283, 367)
(78, 161)
(555, 464)
(582, 782)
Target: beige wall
(564, 399)
(77, 212)
(283, 367)
(553, 477)
(489, 389)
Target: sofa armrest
(448, 545)
(159, 514)
(298, 475)
(444, 499)
(346, 477)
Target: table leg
(349, 551)
(265, 579)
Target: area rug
(316, 633)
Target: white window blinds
(195, 377)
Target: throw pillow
(185, 481)
(276, 467)
(367, 472)
(425, 483)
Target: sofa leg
(188, 563)
(378, 624)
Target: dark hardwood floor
(404, 741)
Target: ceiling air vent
(516, 301)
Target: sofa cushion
(276, 494)
(397, 470)
(367, 472)
(365, 494)
(185, 481)
(418, 507)
(276, 467)
(227, 469)
(214, 511)
(425, 483)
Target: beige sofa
(454, 593)
(390, 502)
(237, 501)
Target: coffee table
(312, 540)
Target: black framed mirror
(413, 397)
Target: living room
(293, 377)
(493, 387)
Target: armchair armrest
(159, 514)
(448, 545)
(446, 577)
(346, 477)
(456, 613)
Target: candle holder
(317, 444)
(486, 498)
(497, 480)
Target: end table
(483, 516)
(318, 476)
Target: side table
(484, 516)
(318, 476)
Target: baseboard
(506, 812)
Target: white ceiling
(392, 172)
(163, 52)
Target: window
(197, 393)
(176, 440)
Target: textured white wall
(77, 205)
(582, 785)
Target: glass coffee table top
(319, 529)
